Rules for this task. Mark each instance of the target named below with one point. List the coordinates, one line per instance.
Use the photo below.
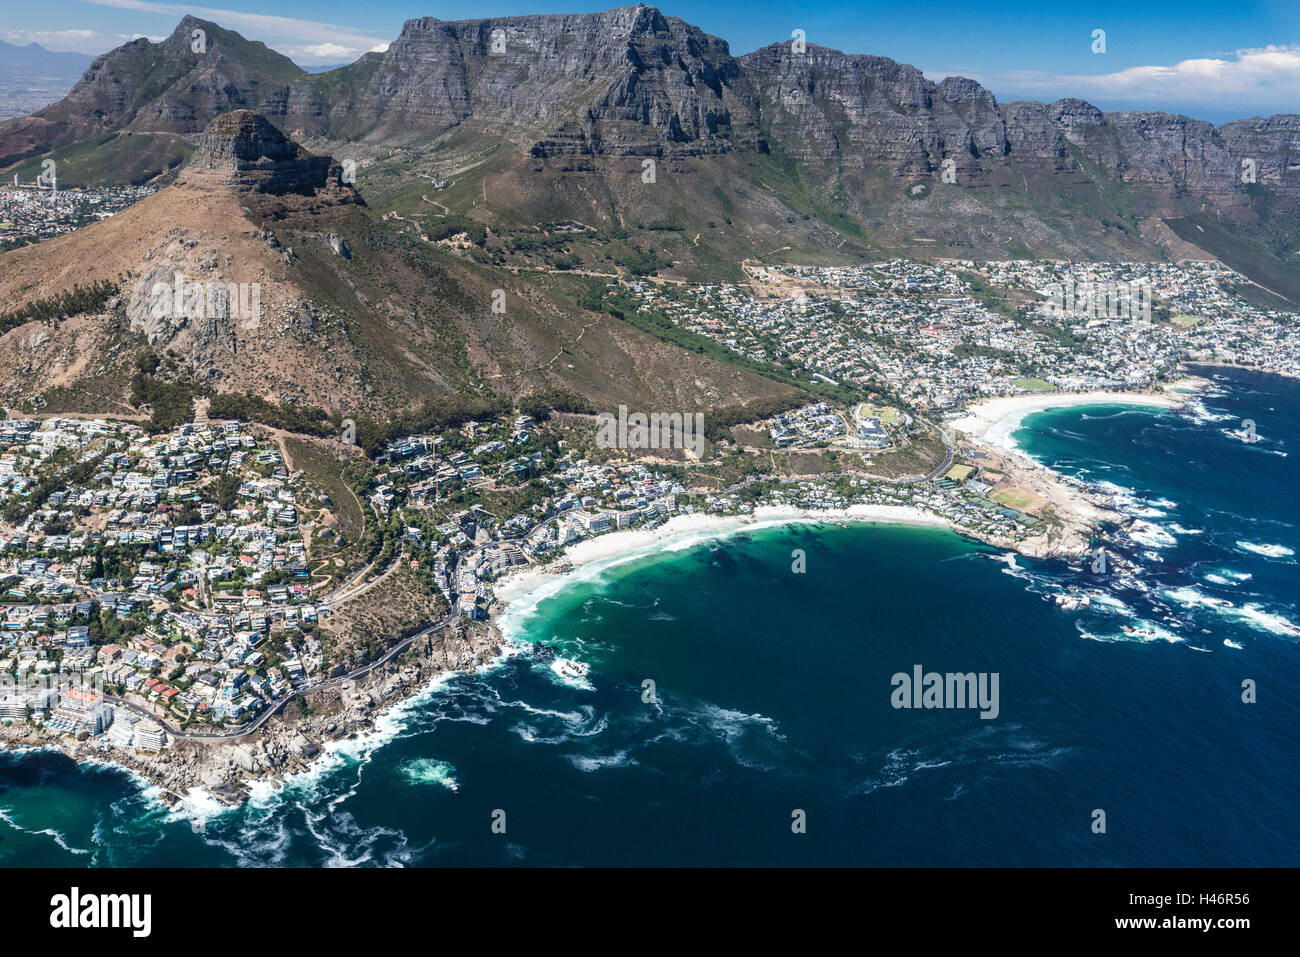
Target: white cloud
(327, 50)
(1264, 80)
(296, 38)
(79, 41)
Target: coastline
(993, 420)
(195, 778)
(1236, 367)
(987, 424)
(519, 591)
(203, 778)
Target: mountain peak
(244, 151)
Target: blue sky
(1213, 60)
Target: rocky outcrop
(197, 73)
(241, 150)
(289, 742)
(632, 81)
(627, 81)
(832, 109)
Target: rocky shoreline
(294, 739)
(291, 741)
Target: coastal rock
(245, 759)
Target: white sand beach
(524, 588)
(993, 420)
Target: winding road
(278, 703)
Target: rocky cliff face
(825, 106)
(631, 81)
(624, 82)
(243, 151)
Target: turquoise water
(773, 694)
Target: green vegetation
(75, 302)
(967, 350)
(718, 423)
(1035, 384)
(435, 415)
(541, 403)
(624, 306)
(64, 471)
(454, 226)
(170, 402)
(306, 419)
(643, 263)
(1237, 247)
(112, 159)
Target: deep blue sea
(773, 695)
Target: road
(947, 459)
(278, 703)
(356, 587)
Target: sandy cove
(993, 420)
(521, 589)
(988, 426)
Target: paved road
(350, 590)
(278, 703)
(947, 459)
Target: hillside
(357, 317)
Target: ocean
(771, 737)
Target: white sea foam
(578, 681)
(1263, 620)
(6, 815)
(1239, 576)
(1268, 551)
(1198, 412)
(198, 807)
(429, 771)
(1254, 615)
(389, 724)
(1108, 602)
(582, 762)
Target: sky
(1210, 59)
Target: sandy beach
(523, 588)
(993, 420)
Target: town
(29, 212)
(185, 580)
(937, 335)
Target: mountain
(32, 77)
(559, 111)
(354, 315)
(537, 154)
(34, 60)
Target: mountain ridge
(541, 157)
